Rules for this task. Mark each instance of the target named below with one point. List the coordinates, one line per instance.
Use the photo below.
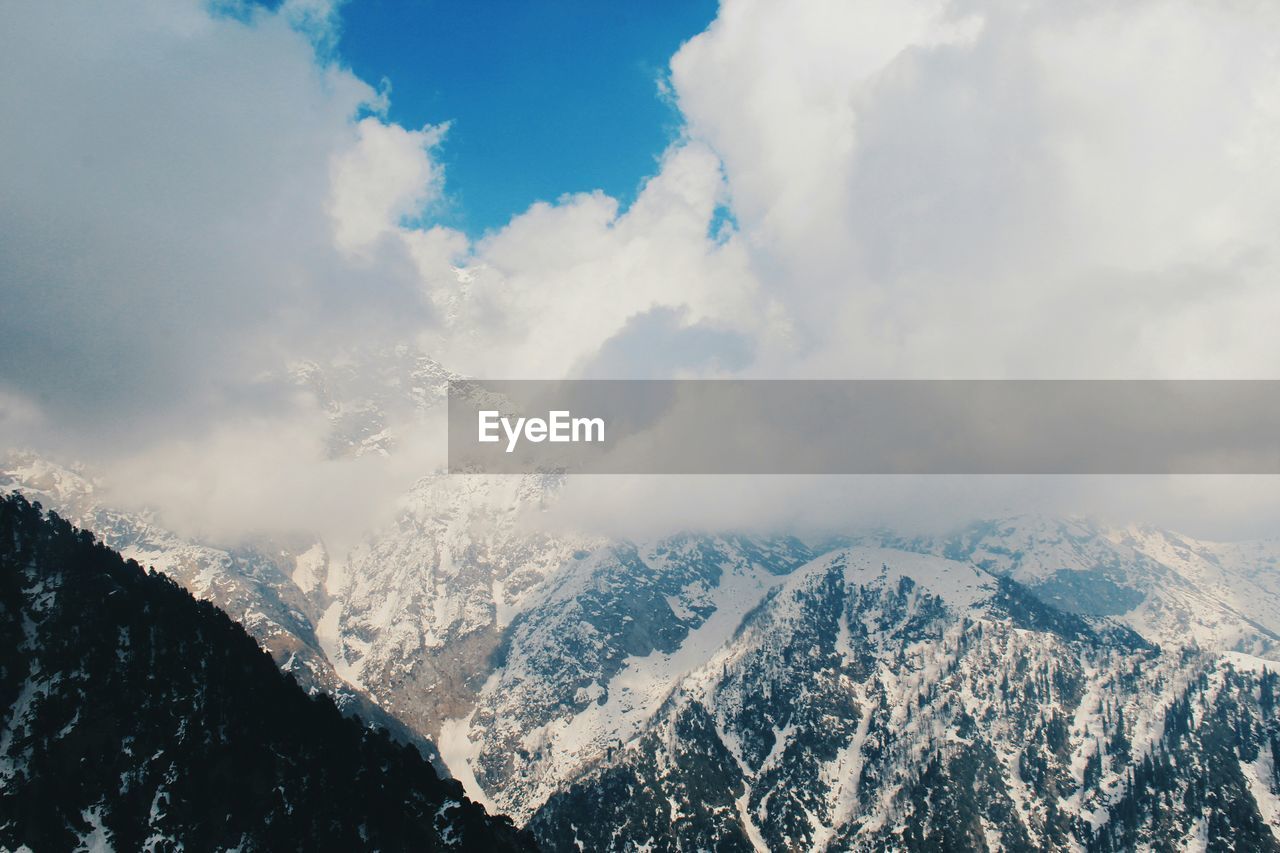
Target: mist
(940, 190)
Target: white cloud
(541, 296)
(1226, 508)
(172, 184)
(18, 418)
(386, 177)
(269, 473)
(986, 189)
(921, 188)
(165, 225)
(1031, 189)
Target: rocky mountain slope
(778, 694)
(418, 610)
(136, 717)
(546, 666)
(272, 589)
(880, 699)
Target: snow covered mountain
(134, 717)
(879, 699)
(419, 610)
(267, 589)
(1025, 683)
(255, 587)
(612, 671)
(1168, 587)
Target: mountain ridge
(140, 717)
(539, 660)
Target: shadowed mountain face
(133, 716)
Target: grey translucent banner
(865, 427)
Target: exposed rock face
(880, 699)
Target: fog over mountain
(1022, 683)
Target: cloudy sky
(195, 196)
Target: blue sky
(545, 98)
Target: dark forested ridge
(133, 716)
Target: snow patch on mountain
(458, 752)
(635, 693)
